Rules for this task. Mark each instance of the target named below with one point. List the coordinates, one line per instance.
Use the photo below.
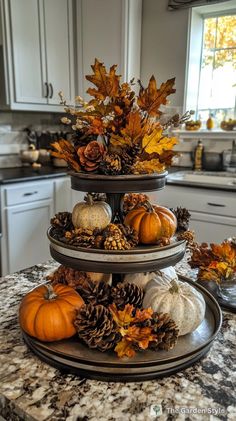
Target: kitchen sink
(202, 178)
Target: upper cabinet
(109, 30)
(37, 53)
(48, 45)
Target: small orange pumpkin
(48, 312)
(151, 222)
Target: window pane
(226, 32)
(209, 33)
(205, 85)
(223, 79)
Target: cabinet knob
(51, 88)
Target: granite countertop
(20, 174)
(30, 390)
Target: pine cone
(116, 241)
(61, 223)
(126, 162)
(188, 236)
(95, 293)
(130, 234)
(80, 237)
(163, 241)
(111, 164)
(127, 293)
(131, 200)
(69, 276)
(183, 217)
(165, 329)
(95, 325)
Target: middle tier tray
(139, 259)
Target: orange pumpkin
(48, 312)
(151, 223)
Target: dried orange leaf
(151, 98)
(107, 83)
(156, 143)
(122, 317)
(148, 167)
(124, 349)
(142, 315)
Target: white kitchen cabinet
(26, 225)
(37, 53)
(213, 212)
(109, 30)
(26, 210)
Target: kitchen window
(211, 63)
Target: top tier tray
(118, 183)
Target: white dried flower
(79, 100)
(65, 120)
(90, 108)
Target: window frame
(195, 46)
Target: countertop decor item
(216, 263)
(208, 382)
(118, 131)
(30, 155)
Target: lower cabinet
(213, 212)
(26, 210)
(26, 227)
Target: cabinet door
(28, 51)
(109, 30)
(59, 49)
(27, 242)
(63, 195)
(212, 228)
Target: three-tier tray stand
(73, 356)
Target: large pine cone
(80, 237)
(61, 223)
(183, 216)
(111, 164)
(115, 239)
(127, 293)
(165, 329)
(91, 155)
(95, 325)
(130, 234)
(95, 293)
(69, 276)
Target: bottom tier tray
(140, 259)
(74, 357)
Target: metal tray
(73, 356)
(117, 183)
(140, 259)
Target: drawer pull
(216, 204)
(30, 194)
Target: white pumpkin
(91, 214)
(183, 302)
(142, 279)
(98, 277)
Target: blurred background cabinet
(38, 53)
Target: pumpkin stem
(89, 199)
(50, 294)
(148, 206)
(174, 286)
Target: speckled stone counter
(30, 390)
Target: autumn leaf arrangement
(118, 132)
(113, 319)
(216, 262)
